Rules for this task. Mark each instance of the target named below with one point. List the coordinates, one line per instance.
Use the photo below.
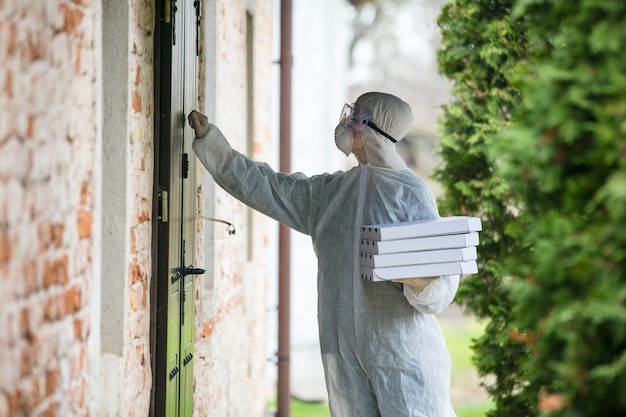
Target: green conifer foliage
(565, 158)
(481, 44)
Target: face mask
(343, 140)
(356, 116)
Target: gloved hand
(199, 123)
(417, 284)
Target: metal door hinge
(185, 166)
(167, 16)
(163, 206)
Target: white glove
(418, 284)
(199, 123)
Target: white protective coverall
(382, 348)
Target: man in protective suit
(383, 352)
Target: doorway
(174, 228)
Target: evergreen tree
(481, 44)
(566, 156)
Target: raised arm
(286, 198)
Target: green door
(175, 194)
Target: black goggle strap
(376, 128)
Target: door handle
(190, 270)
(186, 270)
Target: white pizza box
(461, 240)
(419, 271)
(422, 228)
(419, 257)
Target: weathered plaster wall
(127, 142)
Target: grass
(304, 409)
(458, 333)
(472, 410)
(468, 399)
(458, 337)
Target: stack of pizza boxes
(418, 249)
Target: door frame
(160, 231)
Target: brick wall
(231, 299)
(47, 136)
(55, 358)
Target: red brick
(144, 216)
(35, 47)
(23, 394)
(55, 272)
(25, 323)
(30, 123)
(43, 234)
(136, 273)
(78, 329)
(54, 308)
(138, 298)
(72, 301)
(84, 221)
(12, 401)
(78, 364)
(86, 327)
(57, 235)
(77, 60)
(12, 39)
(133, 242)
(29, 395)
(86, 193)
(144, 301)
(138, 75)
(51, 411)
(27, 360)
(5, 248)
(140, 354)
(53, 381)
(136, 102)
(72, 18)
(83, 258)
(28, 282)
(8, 86)
(207, 329)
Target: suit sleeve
(286, 198)
(435, 297)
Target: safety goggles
(356, 116)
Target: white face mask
(343, 140)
